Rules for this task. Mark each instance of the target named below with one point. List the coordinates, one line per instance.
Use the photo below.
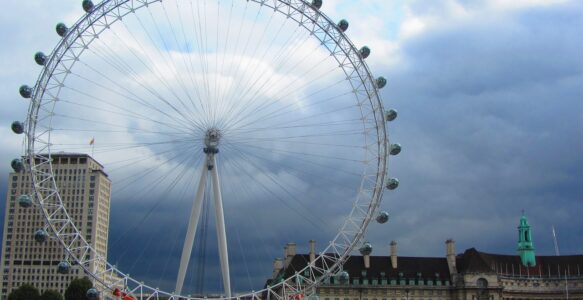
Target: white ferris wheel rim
(38, 145)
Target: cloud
(485, 131)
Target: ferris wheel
(263, 110)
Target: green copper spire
(525, 245)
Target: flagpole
(92, 144)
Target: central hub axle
(211, 141)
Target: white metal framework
(212, 138)
(40, 134)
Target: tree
(77, 289)
(51, 295)
(24, 292)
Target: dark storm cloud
(151, 251)
(491, 119)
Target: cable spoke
(159, 88)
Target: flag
(92, 141)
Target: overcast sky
(489, 95)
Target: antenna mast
(557, 253)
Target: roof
(380, 267)
(474, 261)
(69, 154)
(471, 261)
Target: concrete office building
(85, 190)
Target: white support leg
(221, 234)
(192, 224)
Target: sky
(490, 119)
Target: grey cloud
(490, 119)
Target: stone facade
(471, 275)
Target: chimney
(289, 252)
(312, 251)
(277, 266)
(450, 255)
(366, 261)
(365, 251)
(291, 249)
(394, 254)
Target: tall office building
(85, 190)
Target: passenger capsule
(40, 58)
(62, 29)
(343, 277)
(392, 183)
(17, 165)
(381, 82)
(25, 91)
(87, 5)
(395, 149)
(17, 127)
(343, 25)
(25, 201)
(364, 52)
(390, 115)
(40, 236)
(92, 293)
(382, 217)
(317, 4)
(365, 249)
(63, 267)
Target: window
(482, 283)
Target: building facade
(85, 190)
(471, 275)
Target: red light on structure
(298, 297)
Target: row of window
(71, 160)
(560, 283)
(58, 285)
(405, 297)
(374, 292)
(61, 171)
(36, 278)
(36, 270)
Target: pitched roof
(473, 261)
(380, 267)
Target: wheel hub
(211, 141)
